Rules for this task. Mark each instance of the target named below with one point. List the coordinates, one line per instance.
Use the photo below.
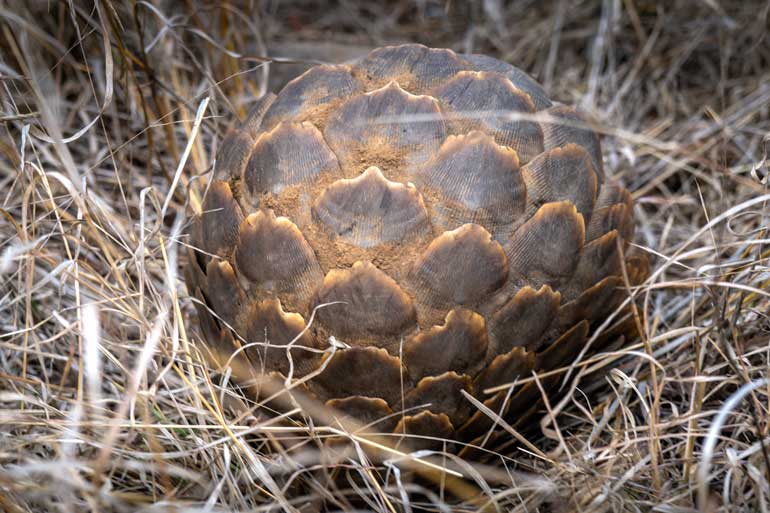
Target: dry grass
(111, 115)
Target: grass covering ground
(110, 116)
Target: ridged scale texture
(452, 225)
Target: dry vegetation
(111, 114)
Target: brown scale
(487, 102)
(564, 349)
(522, 411)
(559, 174)
(272, 335)
(546, 249)
(494, 196)
(459, 253)
(460, 345)
(312, 95)
(370, 210)
(570, 126)
(211, 329)
(613, 211)
(349, 372)
(440, 394)
(387, 120)
(290, 154)
(224, 292)
(460, 267)
(600, 258)
(428, 430)
(592, 304)
(366, 410)
(523, 320)
(273, 255)
(506, 367)
(518, 78)
(364, 302)
(216, 230)
(419, 68)
(237, 145)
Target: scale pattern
(455, 223)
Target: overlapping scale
(351, 372)
(593, 303)
(479, 100)
(224, 293)
(195, 270)
(372, 411)
(638, 268)
(506, 368)
(442, 394)
(612, 193)
(518, 78)
(564, 349)
(223, 349)
(276, 340)
(417, 67)
(493, 195)
(479, 423)
(564, 173)
(318, 89)
(236, 150)
(546, 249)
(219, 220)
(274, 255)
(388, 127)
(371, 210)
(425, 430)
(613, 211)
(363, 301)
(215, 335)
(289, 154)
(460, 267)
(600, 258)
(523, 320)
(568, 126)
(237, 144)
(525, 403)
(613, 217)
(460, 345)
